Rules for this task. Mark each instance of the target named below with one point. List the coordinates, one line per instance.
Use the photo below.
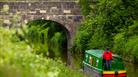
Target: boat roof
(98, 53)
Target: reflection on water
(132, 69)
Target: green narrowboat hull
(94, 65)
(91, 71)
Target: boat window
(91, 60)
(86, 58)
(97, 62)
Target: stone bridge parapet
(65, 12)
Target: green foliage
(83, 37)
(126, 42)
(85, 6)
(56, 39)
(131, 47)
(119, 42)
(17, 60)
(38, 39)
(109, 23)
(46, 37)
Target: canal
(132, 69)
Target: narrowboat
(93, 65)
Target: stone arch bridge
(65, 12)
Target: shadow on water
(132, 69)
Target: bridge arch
(53, 27)
(60, 24)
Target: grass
(17, 60)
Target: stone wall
(64, 12)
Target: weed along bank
(94, 65)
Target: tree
(113, 24)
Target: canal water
(132, 69)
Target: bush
(17, 60)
